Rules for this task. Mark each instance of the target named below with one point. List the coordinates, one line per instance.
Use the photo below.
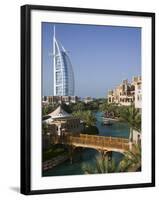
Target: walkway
(100, 143)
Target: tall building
(63, 71)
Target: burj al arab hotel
(62, 70)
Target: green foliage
(53, 152)
(94, 105)
(79, 106)
(132, 116)
(48, 109)
(67, 108)
(86, 116)
(132, 160)
(128, 114)
(74, 107)
(102, 165)
(44, 128)
(105, 107)
(93, 130)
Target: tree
(132, 116)
(92, 130)
(104, 106)
(66, 108)
(93, 105)
(86, 116)
(132, 160)
(110, 108)
(48, 109)
(79, 106)
(102, 165)
(44, 128)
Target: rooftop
(59, 113)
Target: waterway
(118, 129)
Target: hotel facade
(63, 72)
(127, 93)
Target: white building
(63, 71)
(88, 99)
(61, 121)
(138, 93)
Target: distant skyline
(101, 56)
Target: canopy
(59, 113)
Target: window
(58, 77)
(138, 97)
(58, 62)
(59, 90)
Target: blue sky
(102, 56)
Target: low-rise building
(88, 99)
(62, 121)
(59, 123)
(127, 93)
(138, 92)
(59, 99)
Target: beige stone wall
(126, 93)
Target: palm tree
(102, 165)
(110, 108)
(132, 160)
(132, 116)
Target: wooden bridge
(100, 143)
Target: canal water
(87, 157)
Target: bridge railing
(98, 141)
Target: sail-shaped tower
(63, 71)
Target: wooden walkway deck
(100, 143)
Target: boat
(107, 121)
